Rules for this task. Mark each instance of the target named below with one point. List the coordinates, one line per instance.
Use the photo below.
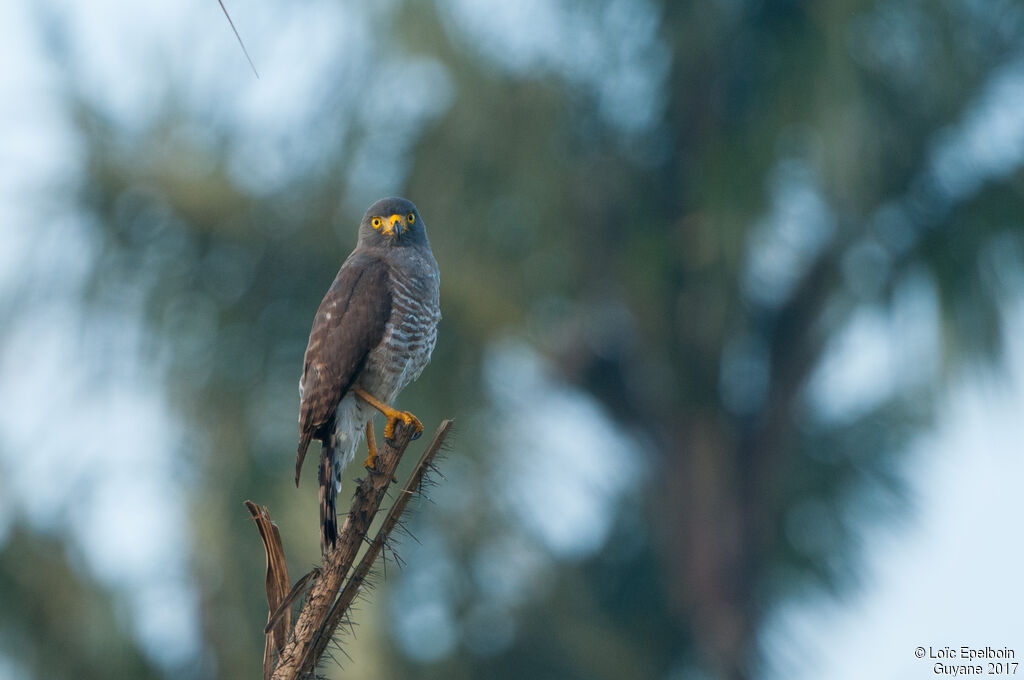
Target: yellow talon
(405, 417)
(371, 445)
(392, 414)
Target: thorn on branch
(300, 648)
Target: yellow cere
(396, 219)
(389, 225)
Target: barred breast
(411, 330)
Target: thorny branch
(323, 609)
(355, 582)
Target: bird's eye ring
(376, 222)
(411, 218)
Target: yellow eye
(410, 218)
(376, 222)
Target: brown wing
(348, 325)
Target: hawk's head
(392, 222)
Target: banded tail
(328, 497)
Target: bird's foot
(376, 472)
(371, 446)
(392, 414)
(371, 458)
(407, 418)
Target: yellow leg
(371, 445)
(391, 414)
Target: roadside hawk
(372, 335)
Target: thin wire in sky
(242, 44)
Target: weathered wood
(277, 587)
(355, 582)
(285, 607)
(319, 617)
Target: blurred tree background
(664, 229)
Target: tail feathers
(328, 497)
(300, 455)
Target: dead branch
(277, 587)
(323, 609)
(286, 606)
(355, 582)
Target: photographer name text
(967, 660)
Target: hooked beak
(394, 226)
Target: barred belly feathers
(372, 335)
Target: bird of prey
(372, 335)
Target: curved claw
(408, 419)
(393, 415)
(374, 471)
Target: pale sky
(950, 573)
